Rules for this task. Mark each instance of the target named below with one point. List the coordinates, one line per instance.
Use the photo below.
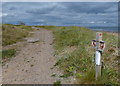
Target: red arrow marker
(100, 34)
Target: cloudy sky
(61, 13)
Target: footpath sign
(99, 45)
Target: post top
(100, 33)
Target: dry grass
(12, 34)
(81, 59)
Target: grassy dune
(76, 55)
(12, 34)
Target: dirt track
(33, 63)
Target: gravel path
(33, 64)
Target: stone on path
(32, 40)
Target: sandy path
(33, 63)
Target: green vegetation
(10, 35)
(14, 33)
(0, 54)
(57, 83)
(0, 57)
(47, 27)
(8, 53)
(76, 55)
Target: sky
(91, 14)
(60, 0)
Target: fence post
(99, 45)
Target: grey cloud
(64, 13)
(41, 11)
(88, 7)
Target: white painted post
(98, 65)
(98, 55)
(99, 45)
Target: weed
(65, 75)
(8, 53)
(78, 75)
(57, 83)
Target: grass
(14, 33)
(80, 62)
(0, 56)
(47, 27)
(57, 83)
(8, 53)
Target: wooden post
(98, 56)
